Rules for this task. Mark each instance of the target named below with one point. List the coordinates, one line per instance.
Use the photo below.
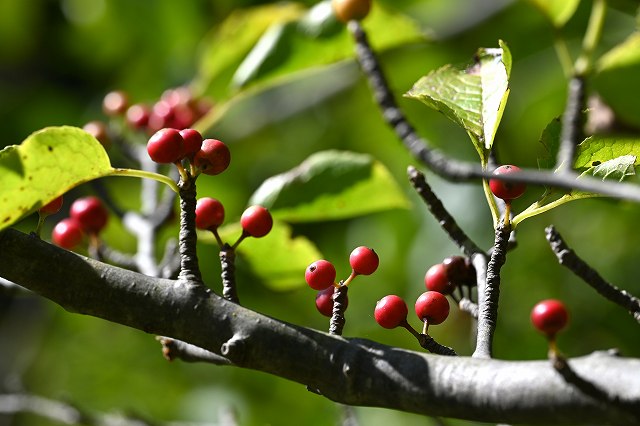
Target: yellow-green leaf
(557, 11)
(46, 165)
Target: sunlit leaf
(474, 97)
(605, 157)
(615, 70)
(278, 258)
(330, 185)
(47, 164)
(557, 11)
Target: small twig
(437, 209)
(466, 305)
(104, 252)
(173, 349)
(189, 267)
(228, 264)
(427, 342)
(572, 122)
(561, 365)
(568, 258)
(489, 294)
(338, 320)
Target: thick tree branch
(350, 371)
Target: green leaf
(269, 45)
(330, 185)
(557, 11)
(550, 141)
(617, 70)
(46, 165)
(228, 44)
(474, 97)
(606, 157)
(599, 149)
(277, 258)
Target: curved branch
(455, 170)
(350, 371)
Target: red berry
(166, 146)
(52, 207)
(115, 103)
(506, 190)
(460, 271)
(67, 233)
(391, 311)
(346, 10)
(213, 158)
(433, 307)
(320, 274)
(192, 141)
(209, 213)
(549, 316)
(90, 213)
(98, 130)
(138, 116)
(364, 260)
(256, 221)
(437, 279)
(161, 116)
(324, 301)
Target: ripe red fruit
(549, 316)
(432, 307)
(115, 103)
(346, 10)
(460, 270)
(213, 157)
(437, 279)
(166, 146)
(209, 213)
(98, 130)
(506, 190)
(256, 221)
(364, 260)
(324, 301)
(52, 207)
(192, 141)
(391, 311)
(90, 214)
(138, 116)
(320, 274)
(67, 233)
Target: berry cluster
(256, 221)
(453, 273)
(87, 216)
(321, 276)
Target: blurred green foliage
(59, 57)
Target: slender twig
(568, 258)
(572, 123)
(561, 365)
(437, 209)
(455, 170)
(466, 305)
(189, 266)
(173, 349)
(228, 262)
(489, 294)
(427, 342)
(170, 263)
(336, 324)
(104, 252)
